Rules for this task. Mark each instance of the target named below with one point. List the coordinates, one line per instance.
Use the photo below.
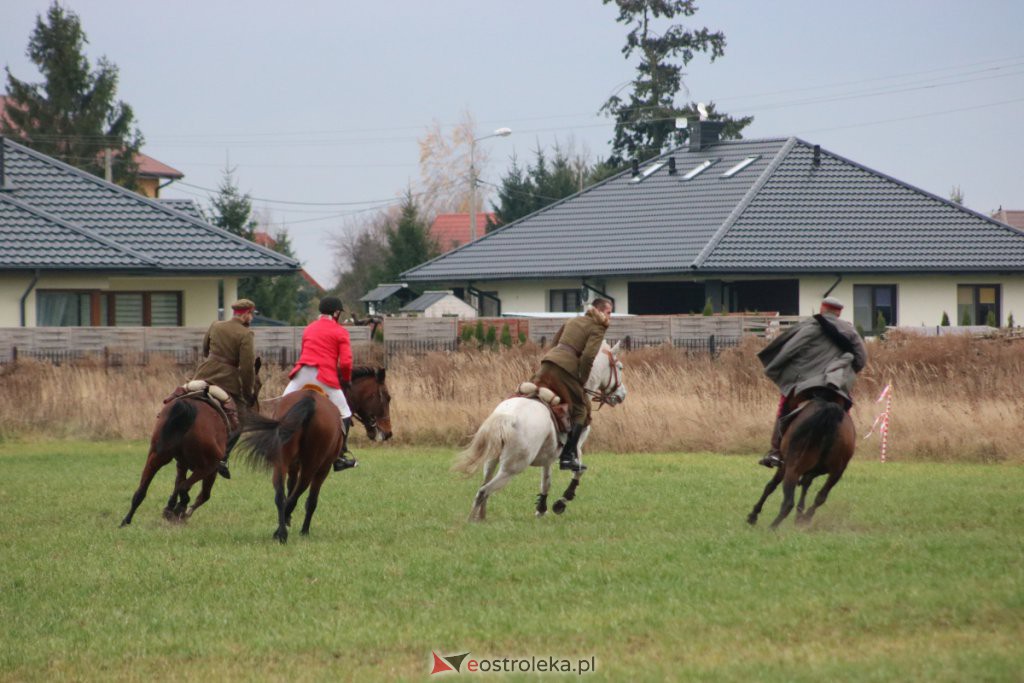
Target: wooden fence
(281, 345)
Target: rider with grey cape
(820, 351)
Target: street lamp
(500, 133)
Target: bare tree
(445, 168)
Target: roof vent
(4, 183)
(636, 168)
(671, 165)
(704, 134)
(817, 156)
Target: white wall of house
(198, 294)
(921, 299)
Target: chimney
(704, 133)
(636, 168)
(671, 165)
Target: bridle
(606, 391)
(369, 422)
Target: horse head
(605, 384)
(370, 401)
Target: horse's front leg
(153, 464)
(769, 489)
(545, 486)
(570, 492)
(293, 480)
(479, 511)
(204, 493)
(280, 500)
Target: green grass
(909, 572)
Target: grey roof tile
(167, 239)
(781, 213)
(381, 292)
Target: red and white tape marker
(882, 421)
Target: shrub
(708, 308)
(945, 319)
(466, 336)
(492, 336)
(480, 331)
(506, 336)
(965, 319)
(990, 319)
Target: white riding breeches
(307, 375)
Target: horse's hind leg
(788, 494)
(281, 534)
(769, 489)
(545, 486)
(805, 483)
(172, 502)
(153, 464)
(311, 501)
(479, 512)
(819, 500)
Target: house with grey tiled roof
(76, 250)
(752, 225)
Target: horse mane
(361, 371)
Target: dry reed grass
(955, 399)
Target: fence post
(106, 357)
(14, 354)
(711, 345)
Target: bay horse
(300, 442)
(370, 401)
(521, 433)
(820, 440)
(192, 432)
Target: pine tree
(709, 309)
(232, 210)
(945, 319)
(409, 241)
(990, 319)
(72, 115)
(965, 318)
(506, 336)
(645, 118)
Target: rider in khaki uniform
(229, 363)
(566, 367)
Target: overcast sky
(319, 105)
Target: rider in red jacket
(326, 361)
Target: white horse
(520, 433)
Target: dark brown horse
(191, 431)
(370, 401)
(299, 443)
(820, 440)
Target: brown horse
(370, 401)
(192, 432)
(820, 440)
(301, 443)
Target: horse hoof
(124, 524)
(559, 507)
(751, 520)
(541, 513)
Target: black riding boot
(773, 458)
(343, 463)
(222, 466)
(568, 459)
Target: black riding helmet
(330, 304)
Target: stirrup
(575, 465)
(343, 463)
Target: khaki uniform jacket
(577, 344)
(805, 357)
(230, 354)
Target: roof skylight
(649, 171)
(703, 166)
(740, 166)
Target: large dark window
(763, 296)
(96, 309)
(665, 298)
(874, 307)
(564, 300)
(978, 305)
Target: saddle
(204, 391)
(559, 411)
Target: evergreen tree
(965, 318)
(72, 115)
(945, 320)
(990, 319)
(709, 309)
(515, 197)
(645, 117)
(506, 336)
(880, 323)
(232, 210)
(409, 241)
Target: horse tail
(179, 420)
(820, 427)
(487, 443)
(265, 437)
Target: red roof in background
(265, 240)
(148, 166)
(1014, 218)
(451, 230)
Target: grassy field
(910, 572)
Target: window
(870, 302)
(703, 166)
(978, 305)
(564, 300)
(740, 166)
(94, 309)
(649, 171)
(490, 305)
